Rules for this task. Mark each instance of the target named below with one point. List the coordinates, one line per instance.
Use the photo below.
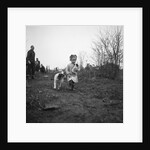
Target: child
(71, 71)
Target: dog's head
(61, 75)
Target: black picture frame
(146, 25)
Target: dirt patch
(92, 101)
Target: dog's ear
(62, 75)
(59, 77)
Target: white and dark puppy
(58, 80)
(75, 69)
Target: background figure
(42, 69)
(37, 65)
(47, 69)
(30, 62)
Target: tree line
(107, 52)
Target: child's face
(73, 60)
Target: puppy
(75, 69)
(58, 80)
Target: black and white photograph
(74, 73)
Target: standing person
(37, 65)
(42, 69)
(71, 71)
(31, 62)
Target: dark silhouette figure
(37, 65)
(30, 62)
(42, 69)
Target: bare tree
(109, 46)
(116, 44)
(82, 56)
(96, 53)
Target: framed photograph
(74, 75)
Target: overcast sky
(54, 44)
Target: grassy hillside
(93, 101)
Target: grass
(92, 101)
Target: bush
(109, 70)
